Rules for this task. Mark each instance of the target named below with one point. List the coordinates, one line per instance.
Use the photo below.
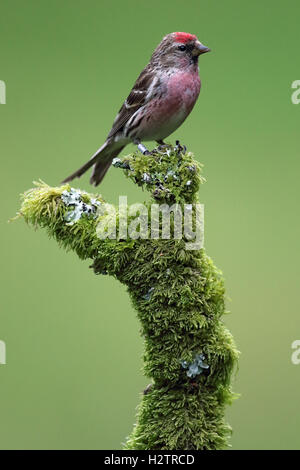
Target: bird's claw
(179, 148)
(164, 147)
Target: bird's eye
(182, 48)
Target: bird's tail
(101, 160)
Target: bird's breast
(165, 113)
(183, 89)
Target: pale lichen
(178, 295)
(79, 208)
(196, 367)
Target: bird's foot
(161, 148)
(179, 148)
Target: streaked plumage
(162, 97)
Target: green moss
(169, 175)
(179, 298)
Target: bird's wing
(142, 92)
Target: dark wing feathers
(135, 100)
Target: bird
(162, 97)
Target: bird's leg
(141, 147)
(179, 149)
(162, 146)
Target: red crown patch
(184, 37)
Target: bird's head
(179, 49)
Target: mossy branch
(178, 295)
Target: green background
(73, 373)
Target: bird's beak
(200, 49)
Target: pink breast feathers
(183, 89)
